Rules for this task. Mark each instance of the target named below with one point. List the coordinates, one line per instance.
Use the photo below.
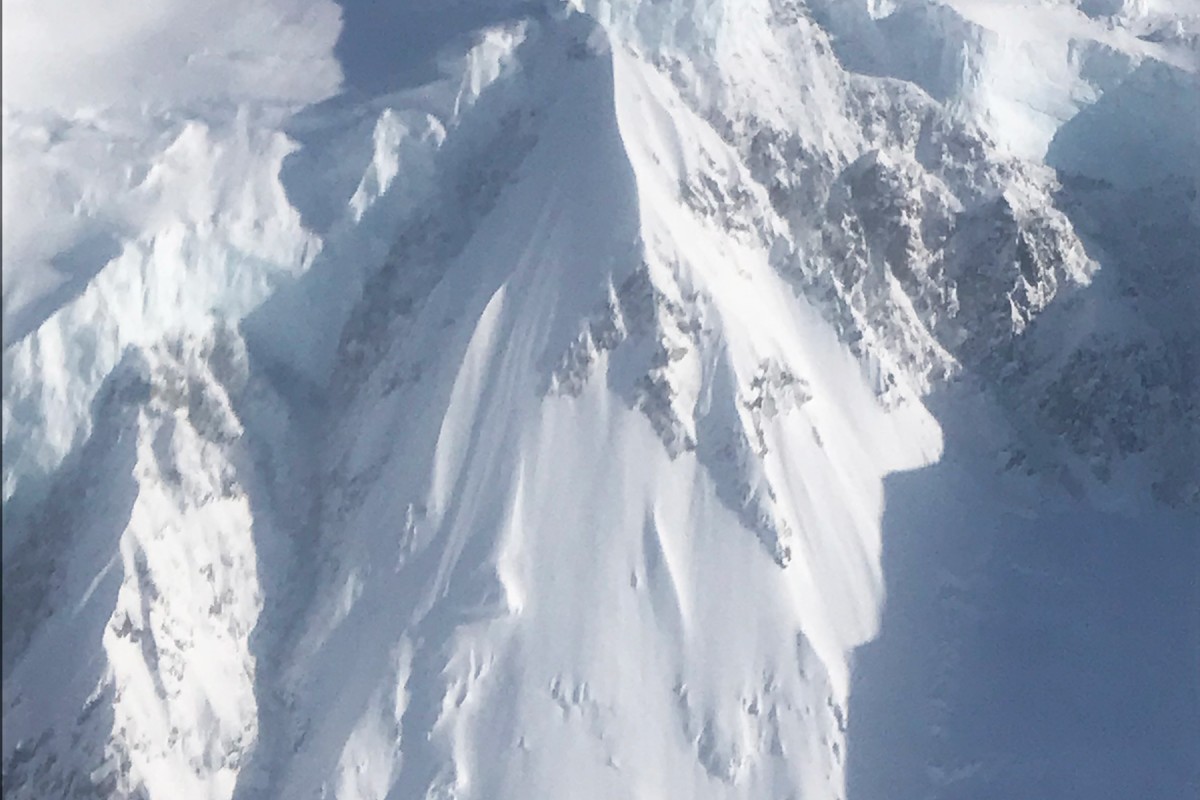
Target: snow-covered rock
(536, 412)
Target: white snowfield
(485, 400)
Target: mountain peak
(561, 403)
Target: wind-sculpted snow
(525, 418)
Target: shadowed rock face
(556, 411)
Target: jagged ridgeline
(537, 400)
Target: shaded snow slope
(555, 410)
(1029, 646)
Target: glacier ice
(602, 399)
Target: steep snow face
(141, 193)
(214, 234)
(156, 590)
(1020, 70)
(518, 422)
(636, 533)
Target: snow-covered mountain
(717, 399)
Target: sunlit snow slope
(656, 400)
